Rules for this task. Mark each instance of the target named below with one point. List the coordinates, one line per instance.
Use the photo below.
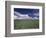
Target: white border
(26, 30)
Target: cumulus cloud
(18, 15)
(36, 14)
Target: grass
(26, 24)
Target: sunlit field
(26, 24)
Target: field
(26, 24)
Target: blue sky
(26, 11)
(30, 12)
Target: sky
(30, 12)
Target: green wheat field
(26, 24)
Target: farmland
(26, 24)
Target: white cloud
(36, 14)
(24, 16)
